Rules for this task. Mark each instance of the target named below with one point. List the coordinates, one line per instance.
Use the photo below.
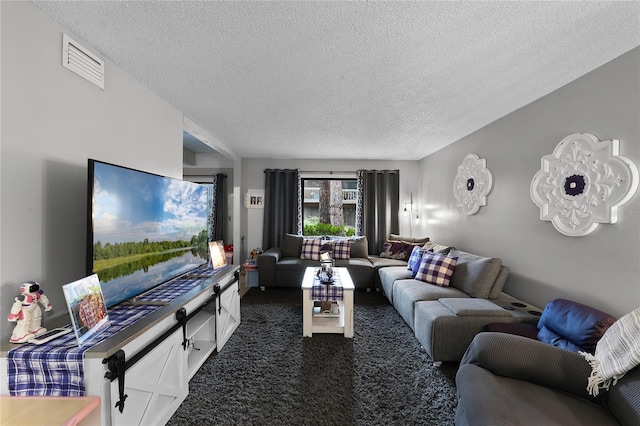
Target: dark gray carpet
(267, 373)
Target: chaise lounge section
(445, 319)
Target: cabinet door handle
(181, 317)
(117, 366)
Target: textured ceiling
(370, 80)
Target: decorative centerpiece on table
(326, 272)
(325, 275)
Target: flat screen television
(143, 229)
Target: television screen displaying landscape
(144, 229)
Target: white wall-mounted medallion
(472, 184)
(583, 183)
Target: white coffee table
(327, 323)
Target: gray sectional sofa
(446, 319)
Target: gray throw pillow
(474, 274)
(413, 240)
(359, 247)
(291, 245)
(437, 248)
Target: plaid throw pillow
(311, 249)
(436, 269)
(342, 249)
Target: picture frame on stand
(86, 307)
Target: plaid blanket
(171, 290)
(616, 353)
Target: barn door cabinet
(141, 374)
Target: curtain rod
(333, 171)
(327, 171)
(344, 171)
(201, 176)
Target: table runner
(55, 368)
(333, 291)
(171, 290)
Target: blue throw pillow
(416, 268)
(548, 336)
(579, 324)
(416, 255)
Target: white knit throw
(617, 352)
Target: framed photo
(86, 307)
(254, 199)
(216, 253)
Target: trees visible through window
(329, 206)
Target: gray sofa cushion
(407, 292)
(389, 275)
(475, 275)
(474, 307)
(291, 245)
(445, 327)
(384, 262)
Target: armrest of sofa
(532, 361)
(267, 262)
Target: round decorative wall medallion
(472, 184)
(583, 183)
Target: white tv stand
(142, 373)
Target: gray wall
(601, 269)
(52, 122)
(253, 178)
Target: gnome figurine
(26, 313)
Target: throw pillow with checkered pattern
(436, 269)
(311, 249)
(342, 249)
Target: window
(329, 206)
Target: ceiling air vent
(82, 62)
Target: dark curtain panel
(281, 206)
(378, 205)
(218, 209)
